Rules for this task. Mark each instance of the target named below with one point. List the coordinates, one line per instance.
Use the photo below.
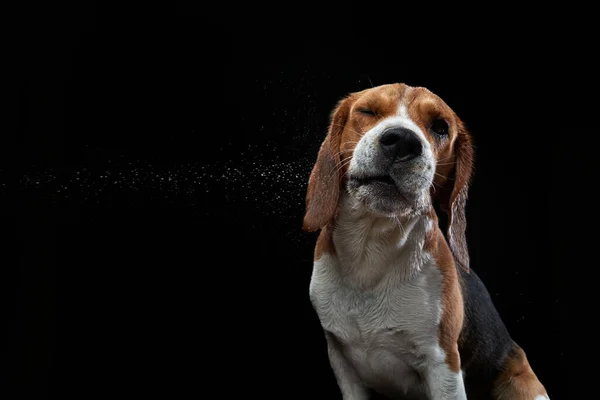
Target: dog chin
(388, 201)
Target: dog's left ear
(324, 182)
(456, 202)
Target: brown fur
(518, 381)
(324, 243)
(454, 155)
(454, 170)
(348, 124)
(346, 127)
(452, 301)
(457, 222)
(324, 182)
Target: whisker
(342, 161)
(361, 127)
(339, 166)
(442, 176)
(345, 126)
(342, 166)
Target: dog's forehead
(399, 97)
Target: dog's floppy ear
(324, 182)
(454, 203)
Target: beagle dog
(403, 315)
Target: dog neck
(370, 246)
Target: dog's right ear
(324, 182)
(454, 196)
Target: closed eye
(366, 111)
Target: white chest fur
(386, 331)
(379, 297)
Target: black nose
(400, 144)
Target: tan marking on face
(423, 108)
(385, 101)
(453, 154)
(518, 381)
(381, 100)
(451, 300)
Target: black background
(164, 153)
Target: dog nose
(400, 144)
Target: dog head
(393, 149)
